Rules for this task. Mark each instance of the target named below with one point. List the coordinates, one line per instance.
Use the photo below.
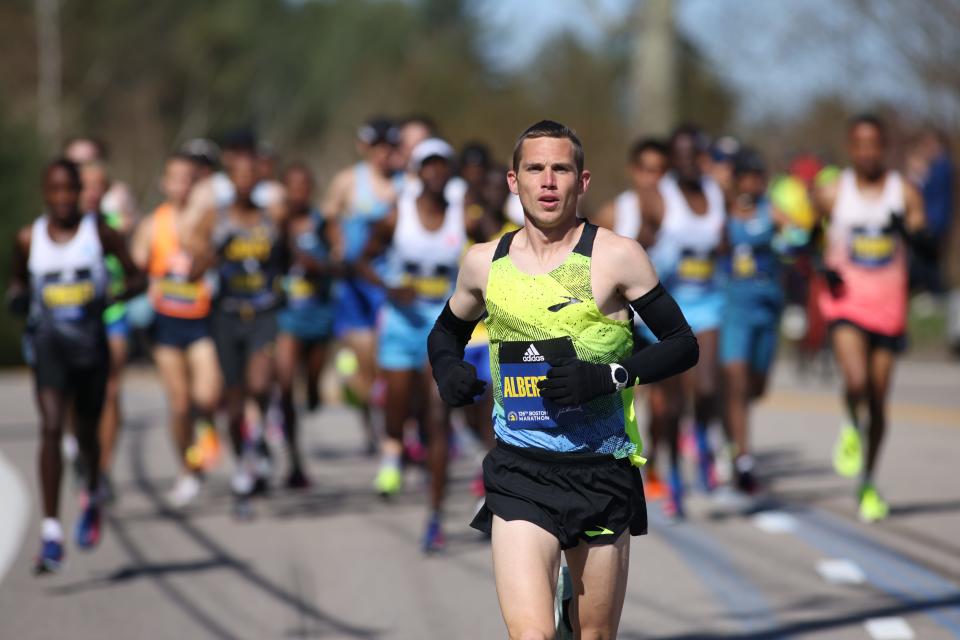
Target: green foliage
(20, 203)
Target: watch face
(620, 375)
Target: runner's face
(243, 174)
(867, 150)
(95, 185)
(685, 159)
(495, 189)
(411, 134)
(547, 181)
(381, 157)
(750, 184)
(435, 173)
(61, 194)
(646, 172)
(299, 188)
(178, 179)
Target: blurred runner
(683, 226)
(555, 295)
(60, 280)
(118, 197)
(754, 300)
(249, 249)
(168, 245)
(359, 197)
(870, 211)
(96, 183)
(423, 239)
(646, 165)
(306, 322)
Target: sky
(755, 45)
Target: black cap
(240, 140)
(379, 131)
(748, 160)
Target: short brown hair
(550, 129)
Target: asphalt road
(336, 562)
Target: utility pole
(47, 16)
(653, 81)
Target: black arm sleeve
(448, 339)
(677, 349)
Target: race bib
(67, 301)
(744, 262)
(696, 269)
(177, 290)
(522, 366)
(300, 292)
(429, 287)
(872, 247)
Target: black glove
(458, 383)
(897, 223)
(18, 302)
(572, 382)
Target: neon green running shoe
(872, 506)
(848, 452)
(389, 481)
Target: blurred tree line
(144, 77)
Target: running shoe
(186, 489)
(414, 451)
(87, 532)
(298, 480)
(50, 558)
(389, 481)
(205, 451)
(746, 482)
(872, 506)
(848, 452)
(654, 489)
(561, 605)
(433, 539)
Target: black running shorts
(238, 337)
(577, 497)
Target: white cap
(429, 148)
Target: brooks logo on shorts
(532, 355)
(560, 305)
(602, 531)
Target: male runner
(306, 322)
(423, 239)
(183, 348)
(59, 278)
(683, 226)
(250, 256)
(555, 295)
(118, 196)
(646, 165)
(871, 211)
(358, 197)
(754, 300)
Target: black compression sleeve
(677, 349)
(448, 338)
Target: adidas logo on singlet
(532, 355)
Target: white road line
(16, 506)
(775, 522)
(889, 629)
(841, 571)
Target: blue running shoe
(50, 559)
(433, 539)
(88, 528)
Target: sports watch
(619, 376)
